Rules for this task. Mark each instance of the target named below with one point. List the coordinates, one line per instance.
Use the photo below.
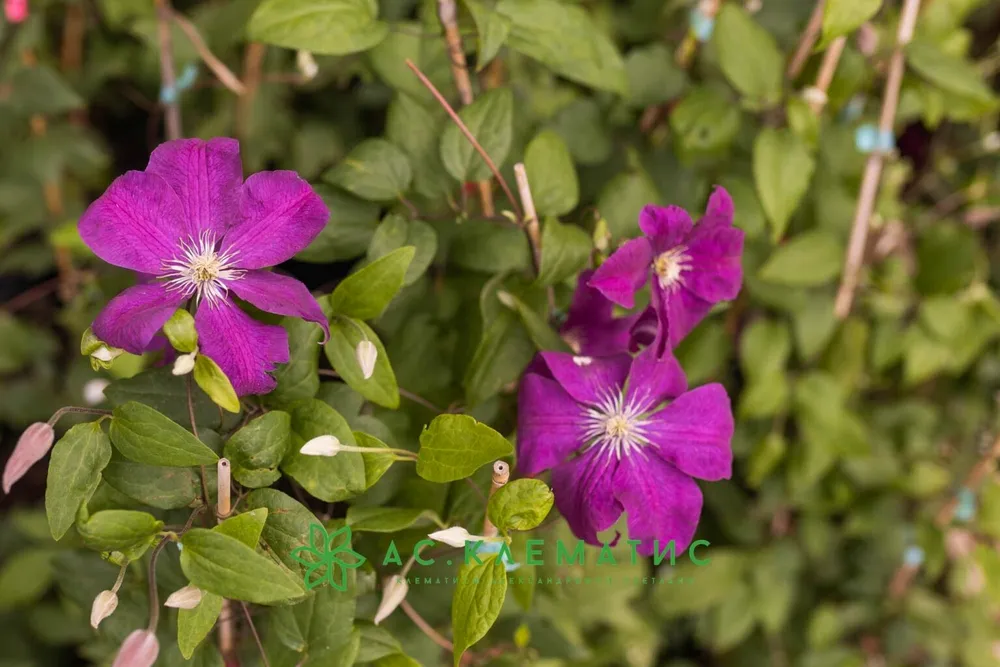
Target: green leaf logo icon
(321, 558)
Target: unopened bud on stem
(32, 446)
(392, 595)
(184, 363)
(188, 597)
(140, 649)
(104, 605)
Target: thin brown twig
(972, 480)
(816, 95)
(253, 64)
(809, 37)
(448, 15)
(256, 637)
(425, 627)
(28, 297)
(223, 73)
(167, 75)
(468, 135)
(873, 169)
(530, 216)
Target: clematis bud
(456, 536)
(184, 363)
(188, 597)
(140, 649)
(394, 593)
(366, 353)
(16, 10)
(104, 605)
(324, 445)
(93, 391)
(307, 65)
(959, 543)
(32, 446)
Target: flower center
(616, 426)
(201, 270)
(669, 266)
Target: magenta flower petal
(281, 295)
(550, 425)
(719, 210)
(206, 175)
(584, 493)
(588, 379)
(31, 447)
(131, 319)
(662, 503)
(280, 215)
(624, 272)
(679, 312)
(666, 226)
(245, 349)
(694, 433)
(652, 379)
(136, 224)
(715, 251)
(591, 326)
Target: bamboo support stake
(530, 216)
(809, 37)
(873, 169)
(501, 474)
(223, 497)
(816, 95)
(448, 15)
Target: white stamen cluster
(202, 270)
(670, 265)
(616, 426)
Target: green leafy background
(852, 434)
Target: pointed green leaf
(366, 294)
(156, 486)
(345, 335)
(565, 251)
(389, 519)
(213, 381)
(843, 17)
(144, 435)
(180, 331)
(375, 464)
(287, 525)
(118, 530)
(396, 232)
(455, 446)
(476, 604)
(782, 169)
(375, 169)
(809, 259)
(748, 55)
(330, 27)
(74, 474)
(246, 527)
(555, 188)
(490, 120)
(257, 449)
(492, 29)
(193, 625)
(329, 478)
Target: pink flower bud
(16, 10)
(32, 446)
(104, 605)
(139, 649)
(959, 543)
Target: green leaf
(366, 294)
(256, 450)
(213, 381)
(298, 378)
(766, 455)
(565, 38)
(653, 76)
(381, 387)
(193, 625)
(455, 446)
(748, 56)
(118, 530)
(549, 166)
(417, 130)
(490, 119)
(492, 29)
(389, 519)
(809, 259)
(782, 169)
(321, 627)
(489, 248)
(520, 505)
(565, 251)
(623, 197)
(396, 232)
(375, 169)
(180, 331)
(843, 17)
(74, 474)
(503, 352)
(376, 642)
(25, 577)
(542, 335)
(144, 435)
(476, 604)
(706, 122)
(329, 478)
(330, 27)
(950, 73)
(225, 566)
(156, 486)
(375, 464)
(348, 231)
(160, 390)
(246, 527)
(287, 525)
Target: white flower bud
(184, 363)
(106, 354)
(306, 64)
(393, 594)
(188, 597)
(104, 605)
(324, 445)
(366, 353)
(93, 391)
(456, 536)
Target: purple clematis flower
(192, 222)
(694, 266)
(624, 435)
(591, 327)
